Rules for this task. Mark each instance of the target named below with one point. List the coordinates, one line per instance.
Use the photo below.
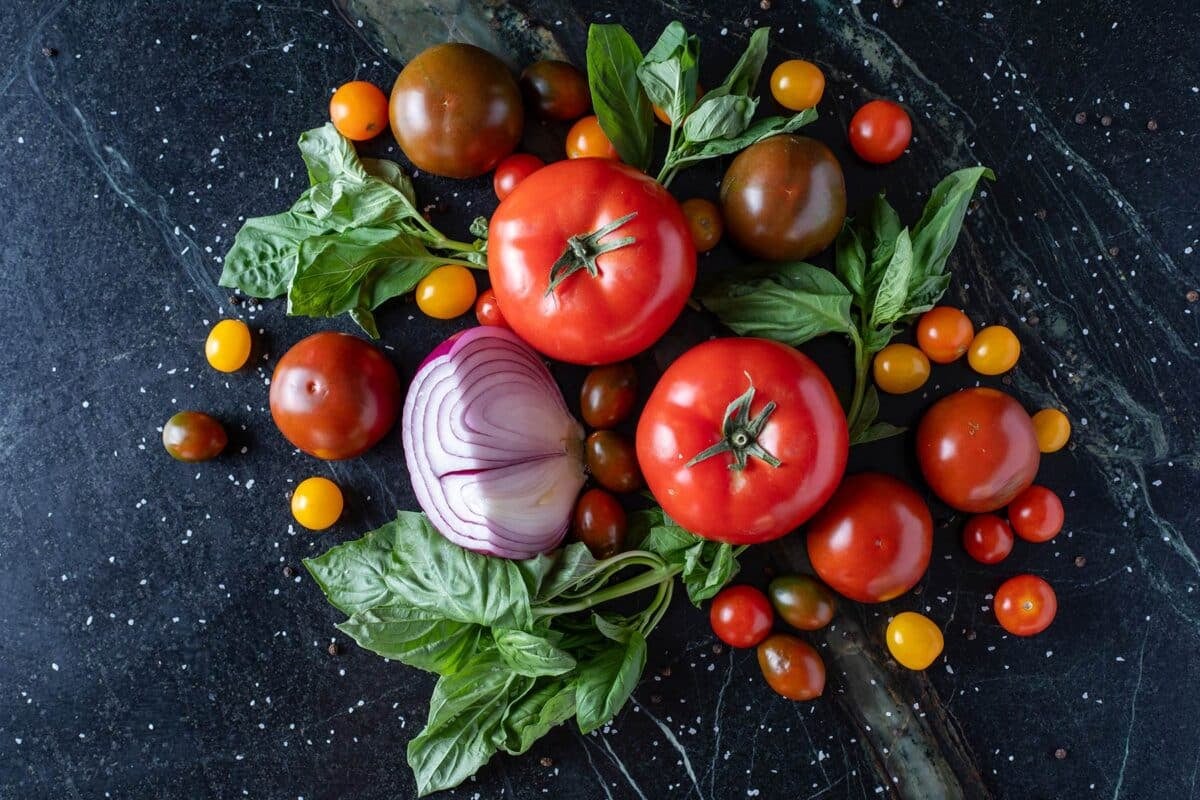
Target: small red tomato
(792, 667)
(987, 538)
(512, 171)
(608, 395)
(803, 601)
(600, 523)
(193, 436)
(1036, 514)
(1025, 605)
(944, 334)
(487, 310)
(741, 616)
(879, 131)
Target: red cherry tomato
(600, 523)
(487, 310)
(512, 171)
(872, 541)
(879, 131)
(741, 616)
(1025, 605)
(977, 449)
(987, 538)
(1036, 514)
(334, 396)
(608, 395)
(944, 334)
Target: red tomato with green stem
(742, 440)
(591, 260)
(741, 616)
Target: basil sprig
(887, 275)
(351, 242)
(625, 85)
(520, 646)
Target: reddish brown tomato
(599, 522)
(1025, 605)
(612, 461)
(977, 449)
(193, 436)
(792, 667)
(987, 538)
(1036, 514)
(591, 260)
(512, 171)
(803, 601)
(556, 90)
(334, 396)
(742, 440)
(456, 111)
(872, 541)
(704, 221)
(784, 198)
(487, 310)
(879, 131)
(741, 616)
(609, 394)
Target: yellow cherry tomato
(447, 292)
(1052, 428)
(914, 640)
(797, 84)
(900, 369)
(317, 503)
(228, 345)
(994, 350)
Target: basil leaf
(418, 637)
(893, 292)
(263, 257)
(866, 414)
(925, 294)
(850, 260)
(878, 232)
(707, 567)
(617, 96)
(763, 129)
(934, 235)
(390, 173)
(791, 303)
(613, 628)
(669, 72)
(532, 655)
(603, 684)
(877, 431)
(550, 702)
(744, 75)
(550, 577)
(328, 154)
(719, 118)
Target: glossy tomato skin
(784, 198)
(359, 110)
(587, 139)
(556, 90)
(872, 541)
(977, 449)
(639, 289)
(880, 131)
(608, 395)
(802, 601)
(512, 171)
(792, 667)
(683, 417)
(987, 538)
(334, 396)
(456, 111)
(600, 523)
(612, 461)
(1036, 514)
(193, 436)
(1025, 605)
(487, 310)
(741, 616)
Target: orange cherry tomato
(994, 350)
(359, 110)
(944, 334)
(704, 221)
(900, 369)
(797, 84)
(1053, 429)
(587, 139)
(1025, 605)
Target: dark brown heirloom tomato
(193, 436)
(612, 460)
(792, 667)
(334, 396)
(556, 90)
(802, 601)
(456, 110)
(784, 198)
(608, 395)
(599, 523)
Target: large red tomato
(742, 440)
(977, 449)
(334, 396)
(591, 260)
(872, 541)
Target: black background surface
(150, 644)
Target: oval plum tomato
(487, 310)
(317, 503)
(994, 350)
(612, 461)
(228, 345)
(512, 171)
(1025, 605)
(704, 221)
(447, 292)
(193, 436)
(742, 440)
(1053, 429)
(608, 395)
(334, 396)
(802, 601)
(591, 260)
(1036, 514)
(872, 541)
(900, 369)
(792, 667)
(914, 640)
(359, 110)
(987, 538)
(797, 84)
(587, 139)
(741, 616)
(879, 131)
(456, 111)
(977, 449)
(944, 334)
(556, 90)
(600, 523)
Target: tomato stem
(739, 434)
(584, 248)
(647, 580)
(862, 362)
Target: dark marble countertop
(152, 644)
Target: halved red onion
(495, 458)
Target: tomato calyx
(584, 248)
(739, 434)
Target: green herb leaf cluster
(887, 275)
(351, 242)
(520, 646)
(625, 85)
